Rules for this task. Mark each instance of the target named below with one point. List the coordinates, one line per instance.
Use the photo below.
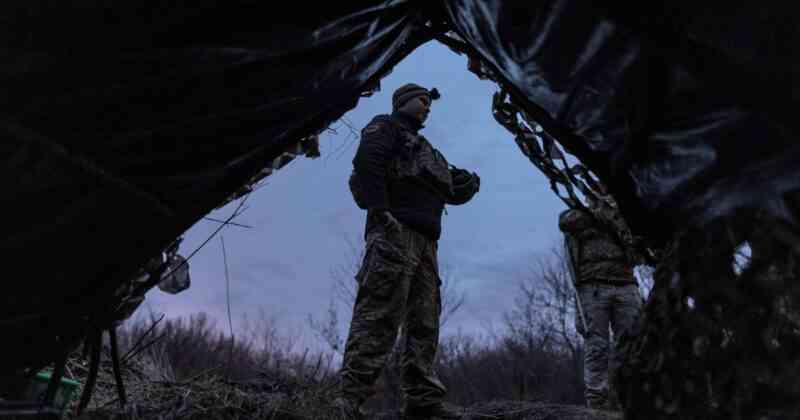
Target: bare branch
(228, 302)
(452, 300)
(328, 329)
(545, 306)
(211, 219)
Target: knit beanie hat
(406, 92)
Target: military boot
(438, 411)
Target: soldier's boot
(347, 409)
(438, 411)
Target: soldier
(404, 183)
(607, 291)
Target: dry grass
(206, 396)
(192, 372)
(209, 396)
(213, 398)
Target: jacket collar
(407, 122)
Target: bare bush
(546, 308)
(540, 356)
(478, 371)
(183, 348)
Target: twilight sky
(303, 218)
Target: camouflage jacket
(595, 253)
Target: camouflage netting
(721, 330)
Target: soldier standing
(607, 291)
(404, 184)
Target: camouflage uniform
(607, 289)
(399, 284)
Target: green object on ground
(37, 390)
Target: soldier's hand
(390, 222)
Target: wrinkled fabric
(604, 306)
(419, 159)
(397, 169)
(124, 124)
(594, 252)
(399, 287)
(668, 104)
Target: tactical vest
(414, 159)
(417, 159)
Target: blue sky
(304, 216)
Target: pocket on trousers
(383, 269)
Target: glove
(465, 185)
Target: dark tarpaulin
(124, 123)
(685, 109)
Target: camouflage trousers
(604, 306)
(399, 287)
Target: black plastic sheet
(123, 124)
(684, 109)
